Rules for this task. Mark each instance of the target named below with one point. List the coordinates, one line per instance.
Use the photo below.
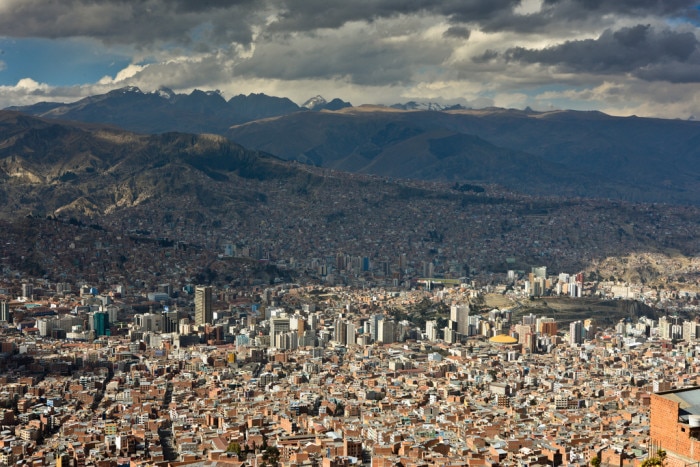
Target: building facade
(203, 312)
(675, 426)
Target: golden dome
(503, 339)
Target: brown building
(675, 425)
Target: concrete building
(675, 425)
(203, 313)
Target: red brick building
(675, 425)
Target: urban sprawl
(336, 376)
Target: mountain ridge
(577, 153)
(204, 190)
(176, 112)
(649, 160)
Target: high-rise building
(537, 287)
(340, 333)
(459, 314)
(203, 312)
(374, 326)
(27, 290)
(540, 272)
(589, 328)
(5, 312)
(149, 322)
(530, 319)
(664, 327)
(100, 322)
(277, 326)
(170, 321)
(548, 328)
(386, 332)
(450, 335)
(431, 330)
(524, 332)
(690, 331)
(45, 326)
(286, 340)
(350, 334)
(403, 262)
(576, 333)
(428, 269)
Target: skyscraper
(350, 334)
(5, 312)
(431, 330)
(386, 331)
(100, 323)
(374, 326)
(170, 321)
(340, 333)
(459, 314)
(278, 325)
(576, 333)
(203, 313)
(27, 290)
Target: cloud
(632, 97)
(26, 91)
(144, 23)
(138, 23)
(124, 74)
(367, 51)
(381, 53)
(458, 32)
(29, 85)
(636, 50)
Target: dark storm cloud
(673, 72)
(208, 5)
(623, 7)
(571, 15)
(304, 15)
(488, 15)
(221, 22)
(636, 50)
(458, 32)
(485, 57)
(131, 22)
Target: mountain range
(59, 168)
(204, 189)
(554, 153)
(163, 110)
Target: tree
(659, 460)
(595, 462)
(235, 448)
(271, 456)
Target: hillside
(564, 153)
(568, 153)
(51, 168)
(203, 190)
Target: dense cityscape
(431, 374)
(401, 323)
(483, 250)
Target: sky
(622, 57)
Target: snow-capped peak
(127, 89)
(314, 103)
(165, 93)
